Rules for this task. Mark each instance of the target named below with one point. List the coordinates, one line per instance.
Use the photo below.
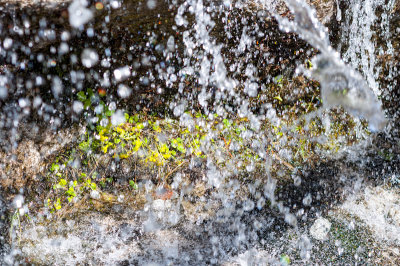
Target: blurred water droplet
(248, 205)
(151, 4)
(56, 87)
(122, 73)
(112, 106)
(124, 91)
(63, 49)
(117, 118)
(79, 14)
(18, 201)
(77, 106)
(7, 43)
(89, 57)
(23, 102)
(94, 194)
(3, 87)
(307, 200)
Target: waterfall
(358, 33)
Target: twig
(64, 212)
(176, 168)
(227, 146)
(288, 165)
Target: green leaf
(81, 96)
(71, 192)
(136, 118)
(226, 122)
(278, 79)
(54, 167)
(84, 146)
(278, 98)
(86, 103)
(90, 92)
(133, 184)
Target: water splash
(341, 85)
(241, 222)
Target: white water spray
(340, 84)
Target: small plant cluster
(69, 184)
(164, 144)
(92, 103)
(147, 135)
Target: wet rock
(198, 212)
(326, 10)
(378, 207)
(28, 161)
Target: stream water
(231, 61)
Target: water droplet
(63, 49)
(7, 43)
(89, 57)
(79, 14)
(23, 102)
(94, 194)
(56, 87)
(77, 106)
(248, 205)
(121, 198)
(117, 118)
(112, 106)
(122, 73)
(151, 4)
(260, 203)
(18, 201)
(307, 200)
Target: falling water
(340, 84)
(258, 198)
(361, 39)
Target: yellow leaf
(138, 144)
(104, 149)
(103, 138)
(123, 156)
(167, 156)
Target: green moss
(347, 244)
